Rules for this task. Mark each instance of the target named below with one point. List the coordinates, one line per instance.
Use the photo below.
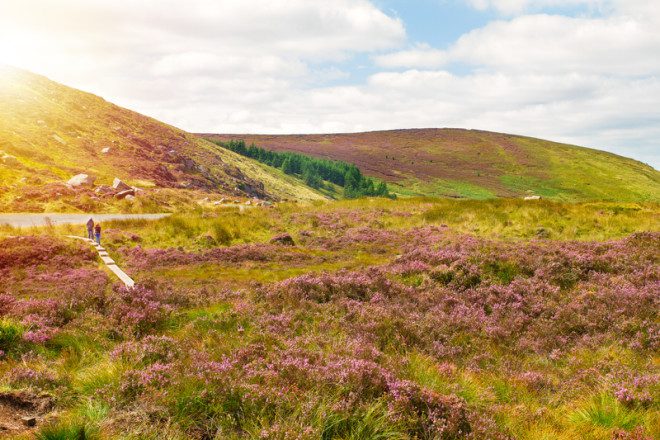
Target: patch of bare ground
(22, 411)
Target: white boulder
(81, 180)
(119, 185)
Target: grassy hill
(477, 164)
(50, 132)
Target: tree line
(313, 171)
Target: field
(387, 319)
(476, 164)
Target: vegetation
(477, 164)
(49, 132)
(391, 319)
(313, 171)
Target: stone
(8, 159)
(129, 197)
(125, 194)
(283, 239)
(103, 189)
(118, 185)
(29, 421)
(59, 139)
(105, 150)
(81, 180)
(533, 198)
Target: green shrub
(11, 333)
(221, 234)
(76, 430)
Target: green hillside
(477, 164)
(50, 132)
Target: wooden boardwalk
(108, 261)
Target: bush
(11, 334)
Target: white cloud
(519, 6)
(261, 66)
(420, 56)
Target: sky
(585, 72)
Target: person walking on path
(97, 231)
(90, 228)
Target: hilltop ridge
(476, 163)
(50, 132)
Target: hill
(50, 132)
(476, 164)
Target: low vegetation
(476, 164)
(390, 319)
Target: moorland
(319, 311)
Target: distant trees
(314, 171)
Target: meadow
(386, 319)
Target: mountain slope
(476, 164)
(49, 132)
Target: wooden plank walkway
(108, 261)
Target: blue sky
(585, 72)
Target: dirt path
(108, 261)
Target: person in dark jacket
(90, 229)
(97, 232)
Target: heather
(408, 319)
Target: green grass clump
(11, 333)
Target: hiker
(97, 231)
(90, 228)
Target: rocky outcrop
(80, 180)
(125, 194)
(118, 185)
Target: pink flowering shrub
(22, 376)
(638, 390)
(154, 377)
(326, 287)
(139, 310)
(142, 259)
(149, 350)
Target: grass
(224, 308)
(56, 132)
(478, 164)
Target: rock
(283, 239)
(129, 197)
(81, 180)
(118, 185)
(8, 159)
(125, 194)
(59, 139)
(105, 150)
(532, 198)
(103, 189)
(29, 421)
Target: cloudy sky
(579, 71)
